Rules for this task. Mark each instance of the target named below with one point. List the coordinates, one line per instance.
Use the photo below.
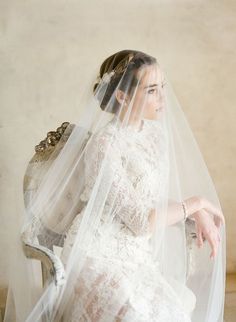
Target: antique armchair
(52, 267)
(44, 251)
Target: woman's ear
(121, 97)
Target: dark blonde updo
(124, 64)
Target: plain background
(47, 48)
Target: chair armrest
(190, 229)
(191, 236)
(51, 261)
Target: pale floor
(230, 299)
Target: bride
(122, 198)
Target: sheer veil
(123, 173)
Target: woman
(129, 190)
(133, 225)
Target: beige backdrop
(48, 46)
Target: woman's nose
(159, 96)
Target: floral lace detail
(130, 171)
(120, 282)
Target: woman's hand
(207, 229)
(195, 204)
(208, 219)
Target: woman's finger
(214, 243)
(221, 221)
(207, 229)
(199, 236)
(213, 209)
(217, 221)
(214, 251)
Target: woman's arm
(193, 204)
(207, 217)
(103, 167)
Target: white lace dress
(121, 282)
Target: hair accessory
(120, 68)
(105, 78)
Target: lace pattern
(130, 173)
(132, 289)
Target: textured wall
(48, 47)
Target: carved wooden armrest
(191, 237)
(51, 261)
(190, 229)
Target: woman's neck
(132, 123)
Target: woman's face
(148, 100)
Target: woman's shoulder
(107, 133)
(113, 133)
(106, 136)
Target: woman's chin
(151, 117)
(155, 117)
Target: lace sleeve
(126, 203)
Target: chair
(46, 152)
(52, 267)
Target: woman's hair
(124, 65)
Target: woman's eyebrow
(152, 85)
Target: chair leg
(45, 279)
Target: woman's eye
(151, 91)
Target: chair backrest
(45, 153)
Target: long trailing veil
(118, 193)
